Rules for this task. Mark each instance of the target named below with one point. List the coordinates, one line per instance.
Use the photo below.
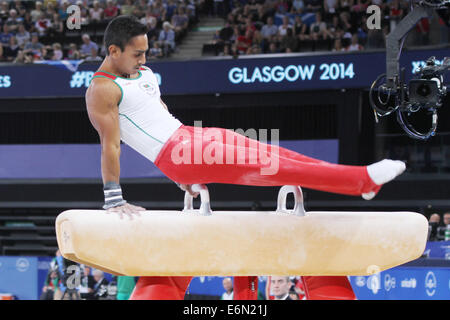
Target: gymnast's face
(132, 57)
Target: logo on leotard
(148, 88)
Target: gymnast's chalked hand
(188, 188)
(127, 209)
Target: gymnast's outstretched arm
(102, 98)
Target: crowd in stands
(33, 30)
(437, 228)
(284, 26)
(67, 280)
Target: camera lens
(423, 90)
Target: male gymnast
(124, 103)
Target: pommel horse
(202, 242)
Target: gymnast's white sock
(382, 172)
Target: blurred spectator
(228, 287)
(226, 33)
(338, 45)
(269, 31)
(84, 16)
(330, 8)
(301, 30)
(158, 10)
(243, 42)
(16, 4)
(13, 21)
(5, 36)
(180, 20)
(51, 285)
(288, 42)
(254, 49)
(153, 32)
(100, 289)
(298, 287)
(359, 6)
(273, 48)
(226, 51)
(28, 22)
(433, 224)
(167, 38)
(22, 36)
(57, 27)
(355, 46)
(2, 58)
(62, 10)
(73, 53)
(87, 283)
(49, 8)
(346, 5)
(93, 56)
(24, 57)
(10, 52)
(141, 8)
(96, 12)
(61, 265)
(282, 7)
(249, 25)
(171, 9)
(125, 287)
(298, 6)
(127, 8)
(313, 5)
(111, 11)
(257, 41)
(318, 29)
(191, 10)
(87, 46)
(280, 287)
(37, 12)
(19, 59)
(441, 229)
(282, 29)
(34, 46)
(293, 295)
(57, 52)
(43, 24)
(4, 9)
(148, 17)
(345, 22)
(335, 27)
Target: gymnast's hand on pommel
(188, 188)
(127, 209)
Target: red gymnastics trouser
(207, 156)
(215, 155)
(328, 288)
(174, 288)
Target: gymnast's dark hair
(120, 31)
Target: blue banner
(83, 160)
(404, 283)
(438, 249)
(19, 277)
(262, 73)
